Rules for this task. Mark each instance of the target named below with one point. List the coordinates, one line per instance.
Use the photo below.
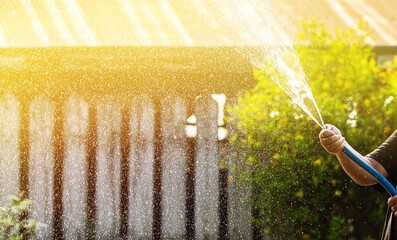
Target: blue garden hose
(379, 177)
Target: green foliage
(14, 223)
(298, 190)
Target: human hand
(331, 139)
(392, 202)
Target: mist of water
(254, 23)
(283, 68)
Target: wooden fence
(127, 169)
(96, 137)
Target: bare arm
(357, 173)
(333, 142)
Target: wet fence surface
(98, 138)
(107, 170)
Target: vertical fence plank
(108, 171)
(239, 211)
(58, 144)
(125, 141)
(91, 141)
(190, 167)
(140, 212)
(74, 184)
(9, 155)
(41, 164)
(24, 144)
(174, 162)
(157, 167)
(207, 170)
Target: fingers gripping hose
(379, 177)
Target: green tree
(298, 190)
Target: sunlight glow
(79, 25)
(36, 23)
(61, 26)
(49, 23)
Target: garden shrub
(298, 190)
(14, 221)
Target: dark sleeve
(386, 154)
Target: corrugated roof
(49, 23)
